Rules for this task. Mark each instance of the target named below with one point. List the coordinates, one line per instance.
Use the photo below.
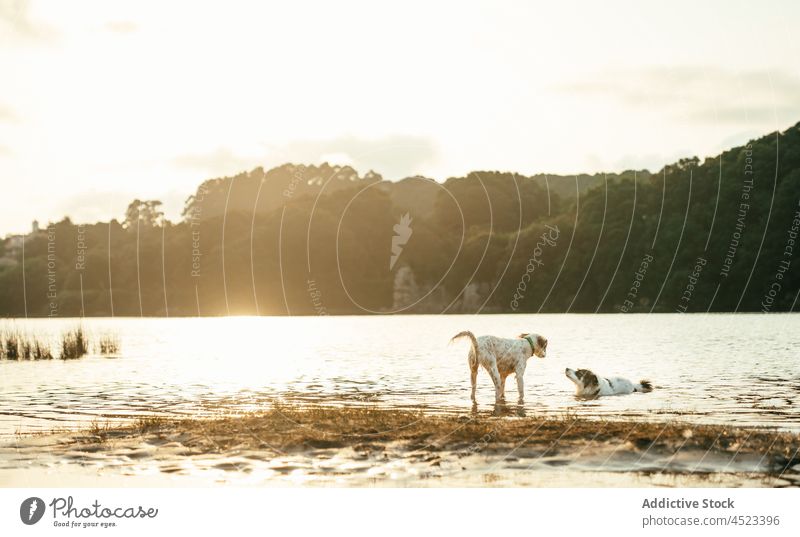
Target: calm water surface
(738, 369)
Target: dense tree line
(716, 235)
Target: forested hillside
(716, 235)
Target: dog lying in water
(587, 384)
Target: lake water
(738, 369)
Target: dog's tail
(644, 386)
(472, 339)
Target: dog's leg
(520, 385)
(498, 388)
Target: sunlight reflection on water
(740, 369)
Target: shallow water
(733, 369)
(54, 461)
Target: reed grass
(74, 344)
(16, 346)
(10, 346)
(41, 351)
(108, 344)
(25, 349)
(286, 428)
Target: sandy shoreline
(324, 446)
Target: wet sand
(361, 446)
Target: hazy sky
(105, 101)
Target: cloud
(748, 112)
(92, 206)
(16, 18)
(394, 156)
(122, 27)
(103, 205)
(699, 93)
(7, 115)
(222, 161)
(648, 161)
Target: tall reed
(74, 344)
(108, 344)
(11, 346)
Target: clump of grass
(10, 346)
(108, 344)
(25, 349)
(146, 424)
(285, 428)
(17, 347)
(74, 344)
(41, 351)
(99, 432)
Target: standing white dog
(501, 357)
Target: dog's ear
(542, 342)
(522, 335)
(590, 380)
